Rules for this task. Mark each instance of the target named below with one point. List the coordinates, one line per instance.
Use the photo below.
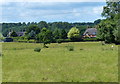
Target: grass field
(0, 69)
(89, 62)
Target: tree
(97, 21)
(45, 36)
(42, 24)
(32, 34)
(13, 34)
(74, 34)
(56, 34)
(34, 28)
(111, 9)
(63, 34)
(117, 35)
(108, 28)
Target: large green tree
(42, 24)
(56, 34)
(74, 34)
(34, 28)
(45, 36)
(63, 34)
(108, 28)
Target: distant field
(89, 62)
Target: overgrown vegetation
(37, 49)
(70, 48)
(109, 28)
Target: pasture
(89, 62)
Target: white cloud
(76, 12)
(70, 12)
(98, 10)
(52, 0)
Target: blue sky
(51, 11)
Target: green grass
(89, 62)
(0, 63)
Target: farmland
(88, 62)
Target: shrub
(45, 46)
(37, 49)
(59, 40)
(90, 39)
(103, 43)
(63, 40)
(8, 40)
(81, 48)
(70, 48)
(67, 40)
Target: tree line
(53, 26)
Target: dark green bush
(59, 40)
(70, 48)
(8, 40)
(37, 49)
(81, 48)
(63, 40)
(90, 39)
(67, 40)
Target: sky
(51, 11)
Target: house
(90, 33)
(22, 33)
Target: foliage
(97, 21)
(45, 36)
(63, 34)
(42, 24)
(1, 35)
(59, 40)
(32, 34)
(74, 34)
(56, 34)
(117, 35)
(37, 49)
(108, 28)
(33, 28)
(36, 27)
(13, 34)
(63, 40)
(8, 40)
(90, 39)
(70, 48)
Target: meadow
(0, 69)
(88, 62)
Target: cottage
(90, 33)
(22, 33)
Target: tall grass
(56, 63)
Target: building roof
(90, 31)
(20, 33)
